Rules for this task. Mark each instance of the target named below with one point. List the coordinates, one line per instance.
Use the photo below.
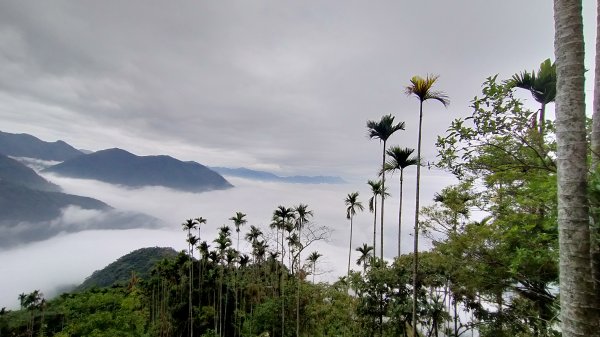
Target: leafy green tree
(400, 158)
(421, 88)
(382, 130)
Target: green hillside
(139, 261)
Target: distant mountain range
(24, 145)
(140, 261)
(267, 176)
(117, 166)
(33, 209)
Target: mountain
(140, 261)
(22, 204)
(118, 166)
(267, 176)
(33, 209)
(13, 171)
(24, 145)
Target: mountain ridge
(26, 145)
(242, 172)
(118, 166)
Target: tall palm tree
(400, 158)
(199, 222)
(364, 251)
(312, 259)
(238, 221)
(579, 308)
(382, 130)
(353, 205)
(252, 237)
(376, 190)
(283, 216)
(223, 242)
(188, 226)
(302, 216)
(542, 86)
(421, 88)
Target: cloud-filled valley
(69, 257)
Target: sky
(280, 86)
(284, 86)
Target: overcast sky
(277, 85)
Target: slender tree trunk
(595, 228)
(416, 232)
(579, 314)
(374, 227)
(400, 213)
(298, 280)
(350, 249)
(282, 280)
(382, 196)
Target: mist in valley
(56, 264)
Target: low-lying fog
(65, 260)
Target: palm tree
(400, 158)
(238, 221)
(579, 309)
(364, 251)
(542, 86)
(188, 225)
(376, 190)
(252, 237)
(302, 215)
(312, 259)
(382, 130)
(200, 221)
(223, 242)
(283, 216)
(353, 205)
(421, 88)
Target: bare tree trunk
(595, 228)
(400, 213)
(416, 233)
(382, 197)
(579, 316)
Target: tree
(376, 190)
(353, 205)
(282, 217)
(302, 215)
(238, 221)
(421, 88)
(542, 86)
(312, 259)
(364, 258)
(188, 226)
(382, 130)
(579, 314)
(400, 158)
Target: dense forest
(495, 275)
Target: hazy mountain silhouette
(267, 176)
(25, 145)
(118, 166)
(33, 209)
(15, 172)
